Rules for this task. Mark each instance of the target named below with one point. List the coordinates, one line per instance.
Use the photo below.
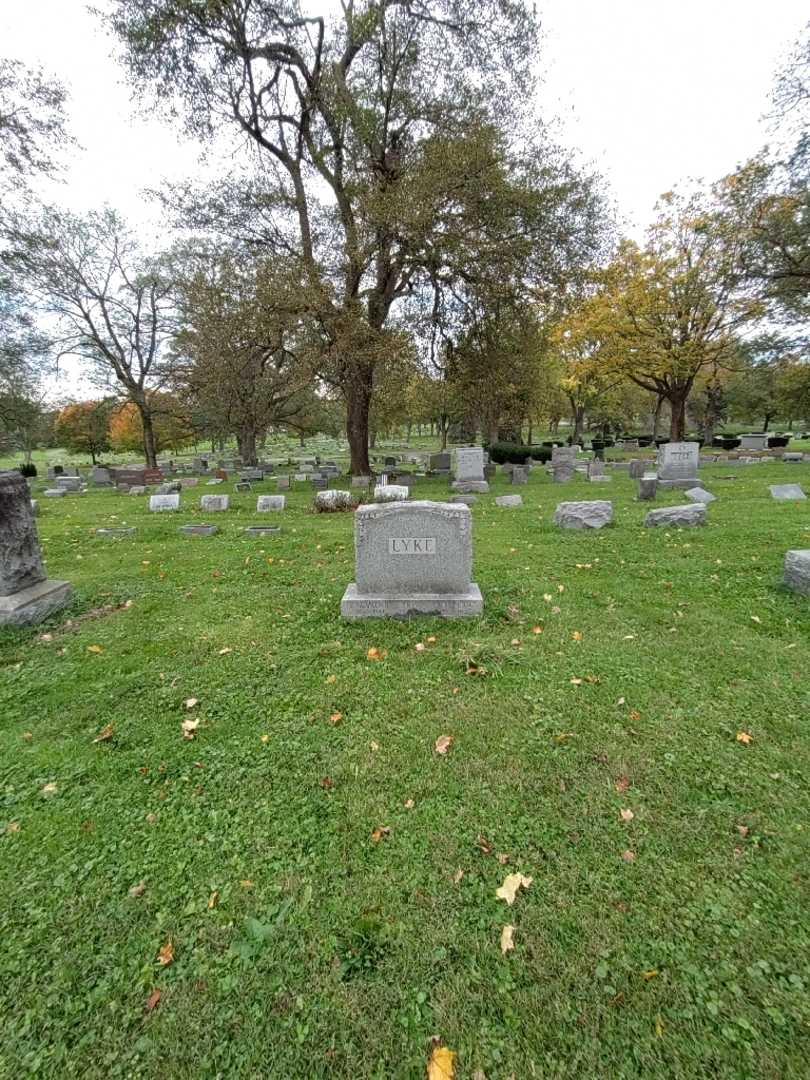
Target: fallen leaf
(561, 738)
(576, 682)
(191, 702)
(166, 954)
(105, 734)
(409, 804)
(326, 783)
(744, 737)
(153, 999)
(13, 826)
(626, 815)
(246, 883)
(634, 715)
(440, 1066)
(537, 629)
(331, 678)
(419, 646)
(483, 845)
(620, 701)
(431, 640)
(443, 744)
(577, 635)
(651, 974)
(515, 641)
(265, 738)
(743, 830)
(502, 858)
(137, 890)
(374, 746)
(373, 654)
(548, 597)
(511, 884)
(95, 649)
(556, 610)
(659, 1027)
(224, 652)
(622, 784)
(189, 728)
(459, 874)
(629, 856)
(381, 831)
(507, 942)
(213, 899)
(756, 618)
(49, 789)
(28, 736)
(335, 718)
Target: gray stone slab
(69, 483)
(173, 487)
(32, 605)
(54, 493)
(754, 442)
(137, 489)
(562, 471)
(700, 495)
(283, 483)
(199, 530)
(113, 532)
(600, 479)
(793, 457)
(677, 517)
(564, 455)
(520, 475)
(467, 500)
(678, 461)
(215, 503)
(681, 485)
(469, 463)
(797, 571)
(263, 530)
(243, 485)
(356, 605)
(361, 481)
(508, 500)
(213, 483)
(784, 492)
(637, 469)
(266, 503)
(648, 488)
(470, 487)
(159, 503)
(391, 493)
(189, 481)
(584, 515)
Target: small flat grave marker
(158, 503)
(780, 492)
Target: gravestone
(159, 503)
(35, 508)
(26, 594)
(213, 482)
(780, 492)
(283, 483)
(136, 490)
(490, 469)
(361, 481)
(266, 503)
(99, 475)
(390, 493)
(412, 558)
(566, 454)
(700, 495)
(252, 474)
(390, 462)
(69, 483)
(470, 471)
(151, 476)
(189, 481)
(678, 465)
(319, 482)
(200, 464)
(440, 463)
(648, 488)
(677, 517)
(584, 515)
(263, 530)
(562, 471)
(334, 500)
(637, 469)
(466, 500)
(54, 493)
(173, 487)
(797, 571)
(119, 531)
(199, 530)
(221, 474)
(519, 475)
(754, 442)
(793, 457)
(508, 500)
(596, 468)
(243, 485)
(301, 476)
(214, 503)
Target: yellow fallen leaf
(563, 736)
(137, 890)
(649, 974)
(335, 718)
(443, 744)
(95, 649)
(659, 1027)
(166, 954)
(431, 640)
(744, 737)
(577, 635)
(627, 815)
(419, 646)
(374, 745)
(459, 874)
(191, 702)
(374, 654)
(105, 734)
(331, 678)
(189, 728)
(576, 682)
(49, 789)
(537, 629)
(756, 618)
(381, 831)
(629, 856)
(213, 899)
(511, 884)
(13, 826)
(409, 804)
(507, 942)
(548, 597)
(224, 652)
(440, 1066)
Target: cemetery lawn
(323, 882)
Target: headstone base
(684, 485)
(34, 604)
(355, 605)
(471, 487)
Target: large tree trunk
(767, 424)
(149, 444)
(659, 404)
(677, 423)
(579, 424)
(246, 443)
(358, 400)
(530, 434)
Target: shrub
(778, 440)
(502, 453)
(726, 442)
(28, 468)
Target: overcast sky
(653, 93)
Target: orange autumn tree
(170, 420)
(83, 427)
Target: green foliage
(516, 454)
(27, 468)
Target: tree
(171, 425)
(83, 427)
(378, 134)
(32, 122)
(111, 306)
(675, 308)
(240, 346)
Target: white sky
(652, 92)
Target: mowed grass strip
(327, 880)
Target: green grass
(304, 949)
